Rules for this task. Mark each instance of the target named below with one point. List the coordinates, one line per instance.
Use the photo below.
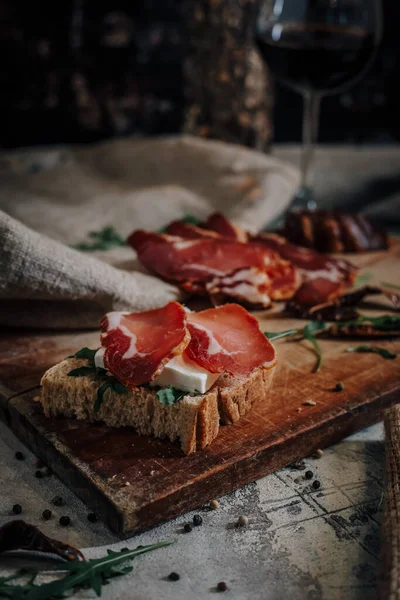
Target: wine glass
(317, 47)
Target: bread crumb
(127, 483)
(242, 521)
(299, 409)
(214, 504)
(310, 403)
(318, 453)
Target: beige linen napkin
(52, 198)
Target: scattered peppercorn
(339, 387)
(318, 453)
(57, 501)
(38, 474)
(92, 517)
(19, 456)
(242, 521)
(187, 528)
(46, 514)
(17, 509)
(197, 520)
(174, 576)
(222, 587)
(298, 465)
(214, 504)
(64, 521)
(39, 464)
(308, 474)
(316, 484)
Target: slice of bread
(195, 420)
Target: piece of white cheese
(99, 358)
(185, 375)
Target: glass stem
(312, 102)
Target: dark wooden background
(85, 70)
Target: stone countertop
(300, 542)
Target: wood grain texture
(136, 482)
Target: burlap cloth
(52, 198)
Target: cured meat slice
(324, 278)
(190, 232)
(219, 223)
(228, 339)
(138, 345)
(206, 264)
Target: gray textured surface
(300, 543)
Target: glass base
(303, 199)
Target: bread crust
(194, 420)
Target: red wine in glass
(317, 47)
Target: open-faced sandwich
(168, 372)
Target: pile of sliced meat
(224, 262)
(227, 339)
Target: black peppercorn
(197, 520)
(174, 576)
(38, 474)
(222, 587)
(308, 474)
(339, 387)
(19, 456)
(316, 484)
(92, 517)
(46, 514)
(57, 501)
(187, 528)
(17, 509)
(64, 521)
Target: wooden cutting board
(136, 482)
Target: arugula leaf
(79, 575)
(391, 285)
(83, 371)
(100, 395)
(315, 327)
(170, 395)
(109, 381)
(117, 386)
(375, 349)
(189, 219)
(362, 279)
(84, 353)
(105, 239)
(382, 323)
(309, 334)
(272, 335)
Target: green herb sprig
(80, 574)
(109, 381)
(384, 323)
(189, 219)
(105, 239)
(374, 349)
(170, 395)
(309, 333)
